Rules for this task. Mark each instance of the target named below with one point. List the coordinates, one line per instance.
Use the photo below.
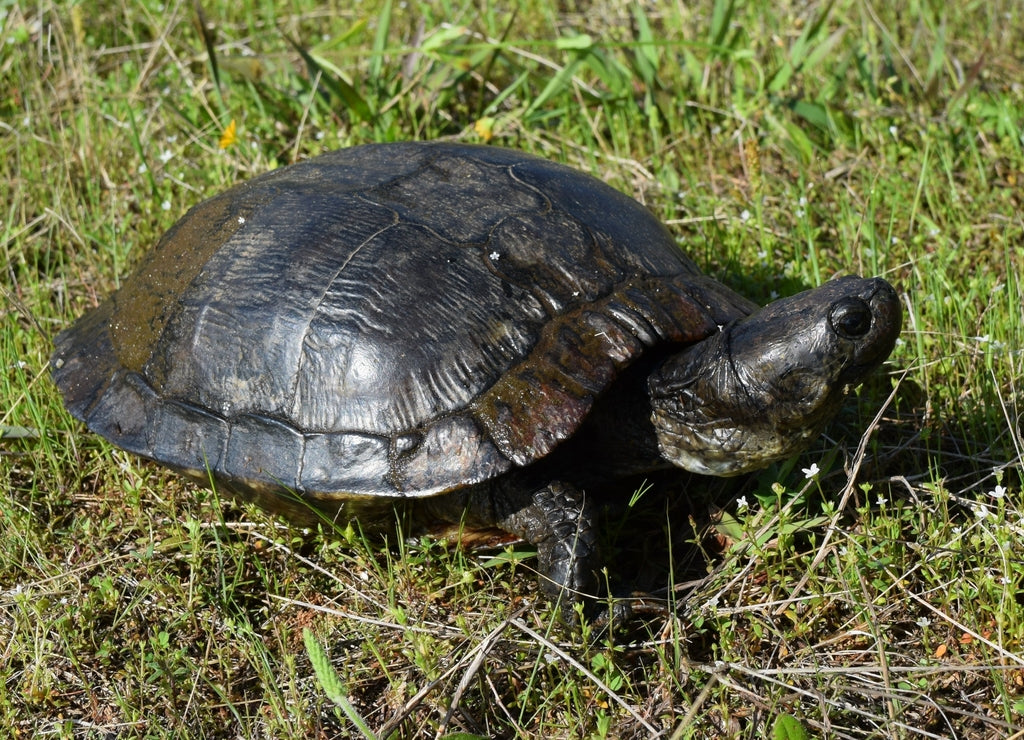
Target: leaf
(18, 432)
(331, 683)
(800, 143)
(514, 556)
(646, 54)
(801, 54)
(335, 84)
(556, 84)
(578, 42)
(813, 113)
(825, 49)
(615, 77)
(380, 41)
(730, 527)
(788, 727)
(208, 42)
(442, 39)
(721, 16)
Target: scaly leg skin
(561, 524)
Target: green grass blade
(380, 40)
(332, 684)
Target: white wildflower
(801, 207)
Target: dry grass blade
(590, 676)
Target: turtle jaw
(726, 449)
(763, 388)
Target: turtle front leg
(560, 522)
(556, 518)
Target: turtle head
(763, 388)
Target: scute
(336, 462)
(456, 181)
(384, 321)
(451, 449)
(187, 437)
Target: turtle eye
(850, 318)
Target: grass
(783, 142)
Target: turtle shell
(391, 320)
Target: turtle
(454, 336)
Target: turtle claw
(624, 613)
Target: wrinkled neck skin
(732, 411)
(726, 415)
